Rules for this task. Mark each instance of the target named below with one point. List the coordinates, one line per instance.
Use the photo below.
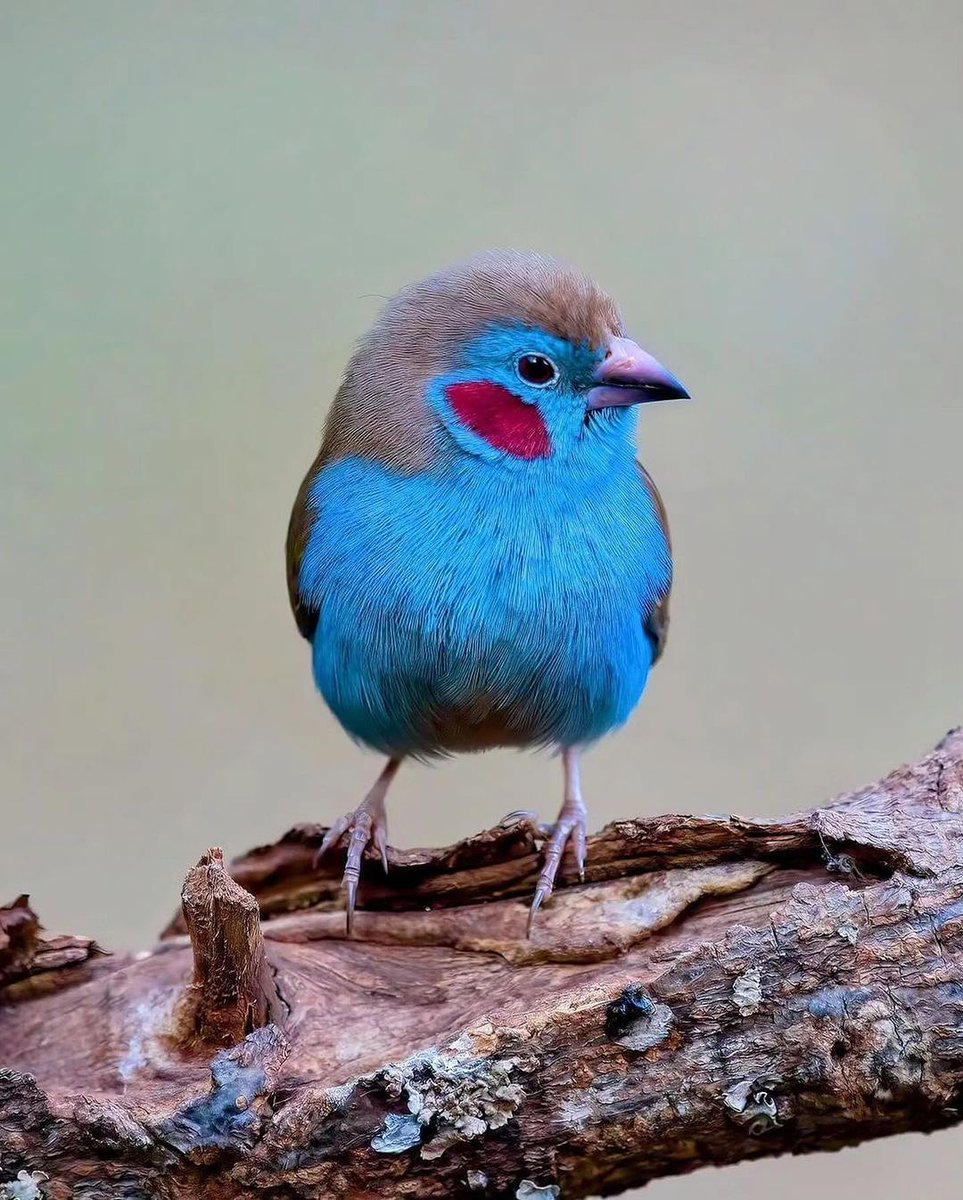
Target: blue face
(520, 396)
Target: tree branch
(719, 989)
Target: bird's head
(511, 358)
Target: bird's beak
(628, 375)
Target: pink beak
(628, 375)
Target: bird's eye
(537, 370)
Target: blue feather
(472, 587)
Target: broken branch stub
(232, 991)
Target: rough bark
(719, 989)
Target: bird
(476, 556)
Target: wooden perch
(719, 989)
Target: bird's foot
(366, 826)
(571, 827)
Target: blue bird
(476, 556)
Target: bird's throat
(498, 416)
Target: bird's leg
(570, 826)
(366, 826)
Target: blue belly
(478, 607)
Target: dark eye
(537, 370)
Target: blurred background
(201, 209)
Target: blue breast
(471, 606)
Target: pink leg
(366, 826)
(570, 827)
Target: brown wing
(299, 530)
(657, 620)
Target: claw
(366, 826)
(380, 842)
(541, 893)
(518, 816)
(580, 850)
(350, 894)
(526, 816)
(331, 838)
(570, 827)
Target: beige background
(200, 206)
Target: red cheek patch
(499, 417)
